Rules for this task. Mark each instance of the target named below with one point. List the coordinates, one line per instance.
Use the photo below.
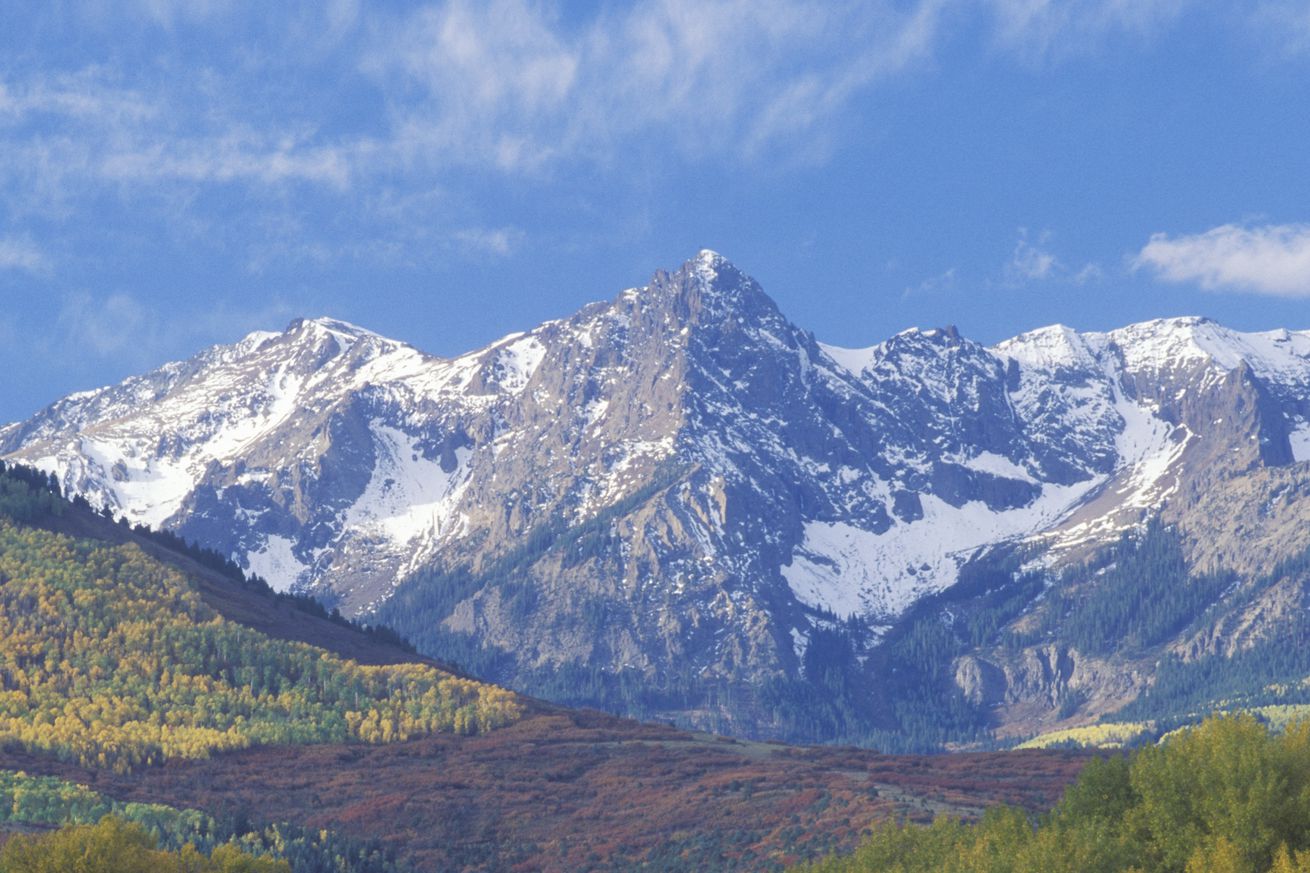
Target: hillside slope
(126, 689)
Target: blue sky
(175, 174)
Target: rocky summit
(679, 504)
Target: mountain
(150, 680)
(678, 504)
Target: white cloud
(943, 281)
(1284, 24)
(1033, 261)
(1089, 273)
(109, 326)
(237, 155)
(64, 135)
(170, 13)
(21, 254)
(121, 327)
(1030, 260)
(87, 95)
(1038, 29)
(514, 85)
(326, 100)
(499, 241)
(511, 83)
(1270, 259)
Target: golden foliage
(114, 846)
(1110, 735)
(111, 659)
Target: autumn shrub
(1229, 796)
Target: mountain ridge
(677, 481)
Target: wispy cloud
(515, 86)
(1044, 29)
(1033, 261)
(65, 135)
(1030, 260)
(110, 325)
(943, 281)
(512, 82)
(509, 85)
(85, 95)
(372, 114)
(1268, 259)
(499, 241)
(21, 254)
(123, 327)
(1285, 25)
(234, 155)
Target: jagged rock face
(747, 483)
(1046, 684)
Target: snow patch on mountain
(408, 496)
(148, 490)
(595, 409)
(850, 571)
(853, 361)
(1149, 447)
(1049, 348)
(1164, 343)
(624, 468)
(276, 564)
(343, 332)
(280, 400)
(997, 465)
(1300, 439)
(517, 361)
(800, 641)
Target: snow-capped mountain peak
(1166, 343)
(1049, 348)
(681, 459)
(323, 329)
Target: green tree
(116, 846)
(1230, 796)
